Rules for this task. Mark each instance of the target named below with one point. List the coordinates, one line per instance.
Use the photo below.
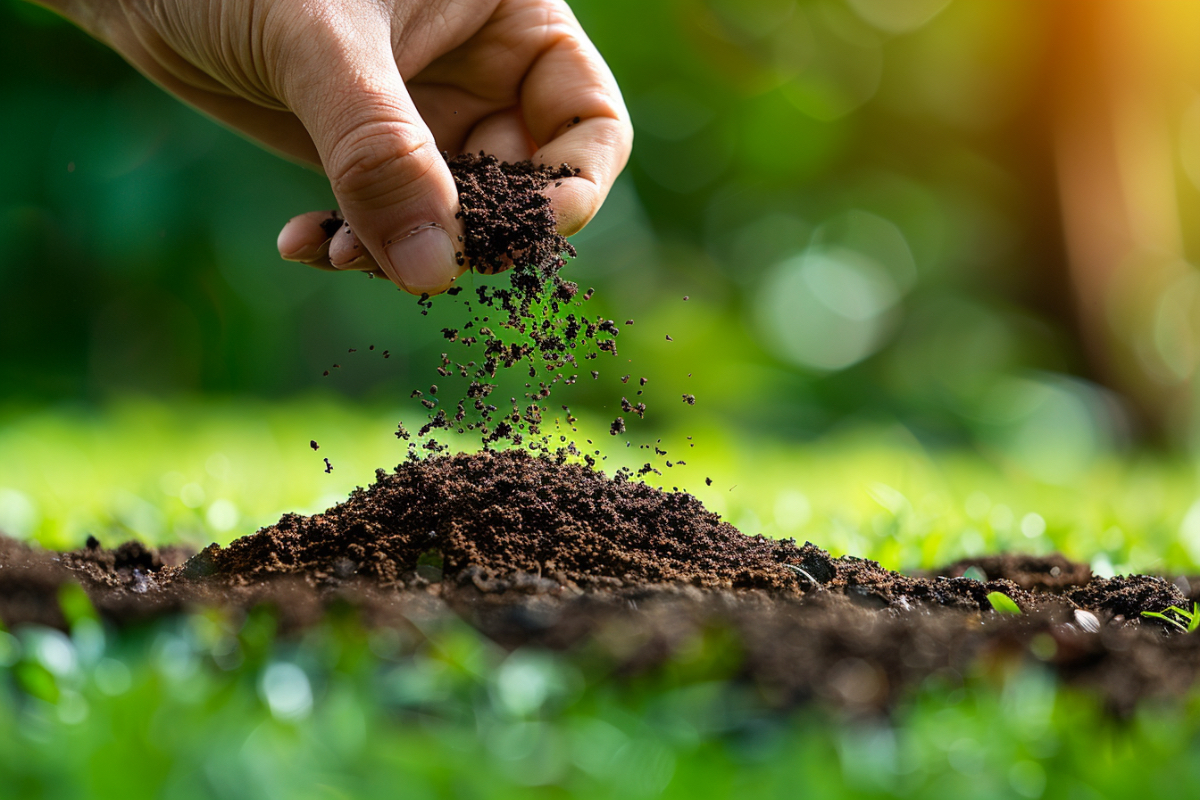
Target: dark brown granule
(313, 444)
(790, 636)
(1052, 573)
(618, 426)
(507, 220)
(690, 399)
(330, 225)
(328, 466)
(508, 224)
(493, 514)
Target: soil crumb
(494, 515)
(507, 221)
(530, 329)
(533, 550)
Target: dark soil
(532, 550)
(507, 221)
(534, 322)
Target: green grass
(216, 706)
(1184, 620)
(213, 707)
(213, 471)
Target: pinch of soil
(507, 220)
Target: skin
(371, 91)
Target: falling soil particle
(507, 221)
(534, 551)
(532, 324)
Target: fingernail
(423, 260)
(293, 243)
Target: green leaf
(75, 604)
(1002, 603)
(1185, 628)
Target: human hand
(371, 91)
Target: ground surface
(534, 552)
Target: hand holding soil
(372, 93)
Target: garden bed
(534, 551)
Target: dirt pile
(500, 519)
(532, 550)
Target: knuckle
(380, 161)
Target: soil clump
(532, 550)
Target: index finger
(573, 109)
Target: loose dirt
(533, 550)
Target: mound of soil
(532, 550)
(496, 517)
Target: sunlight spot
(1033, 525)
(192, 495)
(222, 515)
(18, 515)
(891, 16)
(286, 690)
(792, 510)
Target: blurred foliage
(211, 706)
(850, 194)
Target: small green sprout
(1002, 603)
(1188, 620)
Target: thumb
(391, 182)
